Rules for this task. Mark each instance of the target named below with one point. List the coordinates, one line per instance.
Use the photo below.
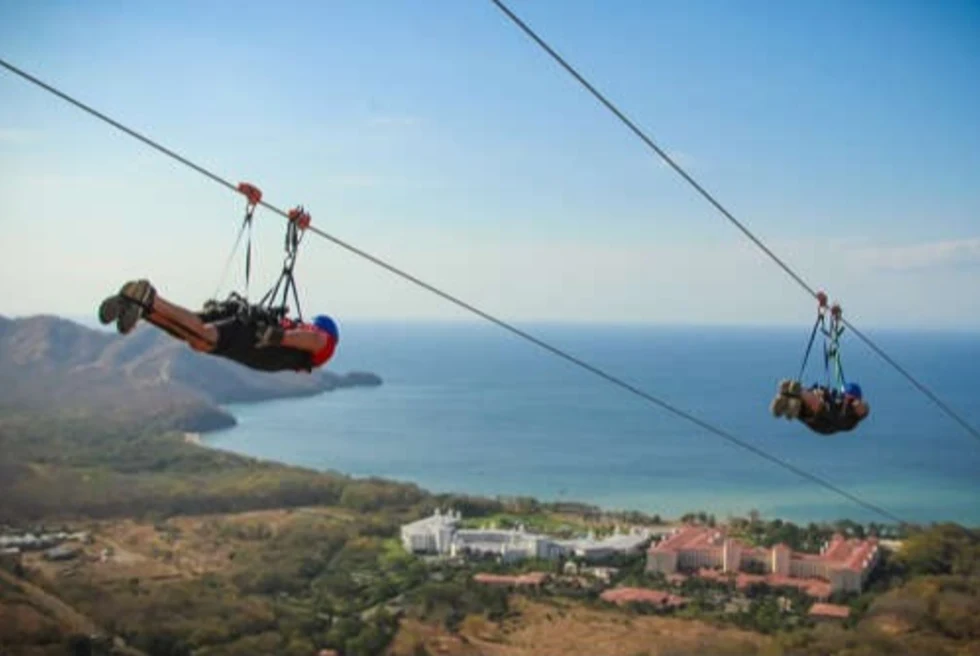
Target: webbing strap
(295, 230)
(809, 347)
(250, 210)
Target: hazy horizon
(436, 137)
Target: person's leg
(813, 404)
(186, 324)
(780, 401)
(138, 299)
(199, 341)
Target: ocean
(469, 408)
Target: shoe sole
(109, 310)
(793, 408)
(129, 316)
(790, 387)
(133, 309)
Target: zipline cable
(724, 211)
(618, 382)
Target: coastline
(664, 507)
(214, 415)
(732, 499)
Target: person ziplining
(261, 336)
(837, 406)
(138, 300)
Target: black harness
(835, 416)
(239, 322)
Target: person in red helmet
(243, 335)
(823, 410)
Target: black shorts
(237, 339)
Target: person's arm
(304, 340)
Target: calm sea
(469, 408)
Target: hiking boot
(793, 408)
(140, 292)
(136, 300)
(778, 405)
(790, 387)
(109, 310)
(129, 316)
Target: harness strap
(817, 325)
(253, 197)
(299, 220)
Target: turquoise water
(471, 409)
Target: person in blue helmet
(252, 339)
(824, 410)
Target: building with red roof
(842, 565)
(621, 596)
(829, 612)
(532, 579)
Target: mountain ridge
(48, 361)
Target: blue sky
(435, 135)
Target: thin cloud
(948, 254)
(356, 181)
(17, 136)
(394, 121)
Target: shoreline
(789, 504)
(666, 517)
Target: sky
(433, 134)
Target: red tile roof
(691, 537)
(830, 610)
(642, 595)
(813, 587)
(849, 554)
(862, 550)
(533, 578)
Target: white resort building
(440, 534)
(432, 534)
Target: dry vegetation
(571, 628)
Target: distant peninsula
(147, 376)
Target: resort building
(622, 596)
(843, 563)
(431, 535)
(440, 534)
(508, 544)
(621, 542)
(530, 580)
(829, 613)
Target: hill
(47, 361)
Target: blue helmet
(853, 389)
(327, 325)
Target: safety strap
(299, 221)
(835, 378)
(817, 325)
(254, 196)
